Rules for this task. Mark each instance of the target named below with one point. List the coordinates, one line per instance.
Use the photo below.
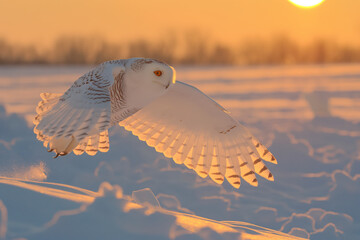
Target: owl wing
(77, 120)
(186, 125)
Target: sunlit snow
(308, 116)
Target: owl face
(147, 78)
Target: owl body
(98, 100)
(176, 119)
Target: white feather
(177, 120)
(100, 98)
(209, 139)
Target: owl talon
(58, 154)
(50, 150)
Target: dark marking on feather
(257, 161)
(84, 128)
(102, 128)
(243, 164)
(60, 132)
(263, 169)
(138, 64)
(117, 93)
(234, 176)
(105, 121)
(265, 152)
(249, 173)
(68, 135)
(228, 130)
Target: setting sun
(306, 3)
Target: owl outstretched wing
(78, 119)
(186, 125)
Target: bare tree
(192, 47)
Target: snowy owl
(176, 119)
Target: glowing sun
(306, 3)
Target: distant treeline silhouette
(193, 48)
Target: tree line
(190, 49)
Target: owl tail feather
(92, 144)
(62, 146)
(65, 129)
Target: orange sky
(230, 21)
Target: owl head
(145, 79)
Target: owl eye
(158, 73)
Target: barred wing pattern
(186, 125)
(83, 113)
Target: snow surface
(309, 116)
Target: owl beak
(174, 75)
